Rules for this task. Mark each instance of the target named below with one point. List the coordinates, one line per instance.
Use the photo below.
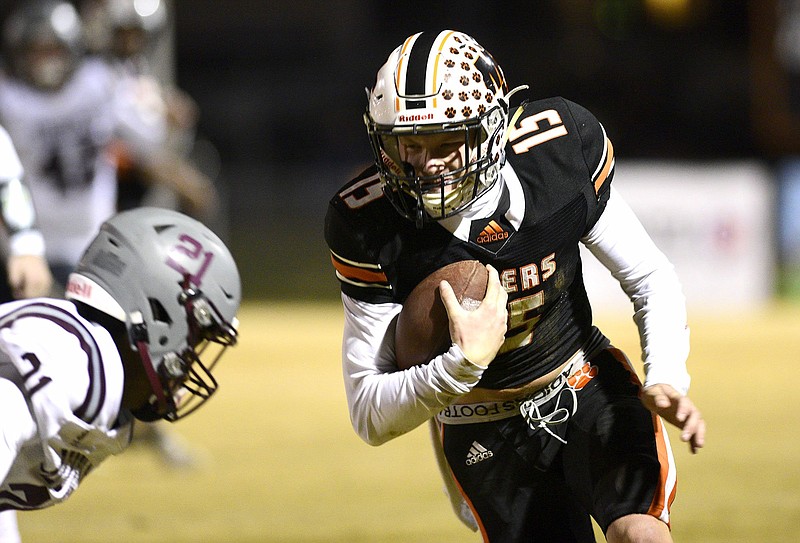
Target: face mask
(50, 73)
(452, 200)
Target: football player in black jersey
(543, 423)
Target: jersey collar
(507, 191)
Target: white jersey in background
(60, 391)
(10, 166)
(62, 138)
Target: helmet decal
(189, 252)
(413, 82)
(470, 74)
(176, 287)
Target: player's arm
(140, 124)
(621, 244)
(385, 403)
(28, 273)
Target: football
(423, 329)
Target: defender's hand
(481, 332)
(29, 276)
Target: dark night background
(281, 86)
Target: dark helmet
(43, 42)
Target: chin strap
(139, 334)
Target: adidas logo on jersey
(477, 453)
(492, 232)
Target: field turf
(279, 462)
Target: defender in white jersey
(152, 293)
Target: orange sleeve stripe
(353, 272)
(606, 168)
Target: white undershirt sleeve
(384, 402)
(16, 206)
(621, 244)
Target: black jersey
(564, 162)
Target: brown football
(423, 329)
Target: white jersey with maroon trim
(61, 378)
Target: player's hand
(29, 276)
(679, 411)
(481, 332)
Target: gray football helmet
(43, 42)
(176, 287)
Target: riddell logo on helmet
(79, 288)
(415, 118)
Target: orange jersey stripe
(360, 274)
(601, 178)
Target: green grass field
(280, 462)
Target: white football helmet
(175, 286)
(43, 42)
(435, 83)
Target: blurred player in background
(71, 117)
(542, 422)
(126, 34)
(135, 339)
(26, 274)
(66, 114)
